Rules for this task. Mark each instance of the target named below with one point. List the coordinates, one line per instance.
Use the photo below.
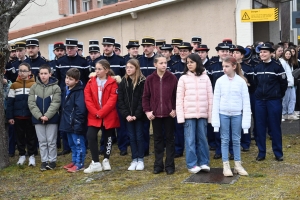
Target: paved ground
(290, 127)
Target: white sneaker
(106, 165)
(284, 117)
(205, 168)
(140, 166)
(293, 117)
(297, 113)
(31, 161)
(21, 160)
(94, 167)
(195, 170)
(132, 166)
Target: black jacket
(130, 100)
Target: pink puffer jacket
(194, 97)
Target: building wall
(213, 20)
(244, 30)
(36, 12)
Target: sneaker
(75, 168)
(106, 165)
(31, 161)
(205, 168)
(293, 117)
(194, 170)
(284, 117)
(140, 166)
(94, 167)
(68, 166)
(132, 166)
(21, 160)
(43, 166)
(51, 165)
(297, 113)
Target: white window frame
(85, 5)
(72, 7)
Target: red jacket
(108, 113)
(160, 94)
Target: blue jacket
(177, 68)
(73, 111)
(215, 71)
(147, 65)
(35, 64)
(176, 58)
(17, 101)
(117, 63)
(127, 57)
(270, 80)
(65, 63)
(12, 69)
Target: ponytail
(238, 69)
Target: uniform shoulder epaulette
(82, 57)
(45, 59)
(121, 56)
(175, 62)
(212, 62)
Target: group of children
(201, 96)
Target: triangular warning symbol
(245, 16)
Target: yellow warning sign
(298, 37)
(259, 15)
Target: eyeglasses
(23, 72)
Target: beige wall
(213, 20)
(36, 12)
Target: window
(72, 6)
(85, 6)
(99, 3)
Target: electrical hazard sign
(259, 15)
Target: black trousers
(297, 106)
(92, 136)
(169, 124)
(26, 137)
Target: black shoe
(11, 155)
(178, 155)
(123, 153)
(170, 171)
(43, 166)
(64, 152)
(260, 158)
(245, 149)
(217, 156)
(101, 152)
(51, 165)
(279, 158)
(212, 148)
(231, 157)
(157, 171)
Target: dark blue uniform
(127, 57)
(271, 84)
(12, 68)
(117, 64)
(177, 68)
(207, 63)
(35, 64)
(176, 58)
(147, 65)
(170, 63)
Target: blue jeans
(289, 101)
(235, 122)
(196, 146)
(77, 145)
(136, 136)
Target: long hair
(276, 47)
(105, 64)
(138, 72)
(238, 70)
(294, 58)
(289, 61)
(199, 66)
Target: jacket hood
(78, 86)
(31, 79)
(117, 78)
(52, 81)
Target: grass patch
(268, 179)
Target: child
(19, 114)
(193, 106)
(73, 119)
(130, 94)
(159, 103)
(44, 101)
(271, 84)
(231, 110)
(101, 95)
(289, 99)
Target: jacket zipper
(128, 100)
(160, 96)
(195, 77)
